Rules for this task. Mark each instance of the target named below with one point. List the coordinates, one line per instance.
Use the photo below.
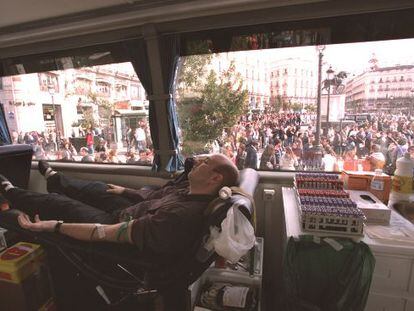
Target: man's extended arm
(134, 194)
(120, 233)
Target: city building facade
(381, 90)
(253, 70)
(60, 100)
(294, 80)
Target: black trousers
(70, 200)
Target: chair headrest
(249, 178)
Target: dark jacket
(251, 157)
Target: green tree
(311, 108)
(218, 104)
(190, 81)
(280, 104)
(105, 108)
(296, 107)
(88, 120)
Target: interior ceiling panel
(18, 12)
(36, 26)
(23, 11)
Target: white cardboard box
(375, 212)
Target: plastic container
(20, 261)
(402, 182)
(377, 185)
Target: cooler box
(360, 180)
(24, 282)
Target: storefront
(124, 119)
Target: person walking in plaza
(288, 160)
(268, 159)
(251, 155)
(140, 138)
(89, 140)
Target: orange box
(356, 180)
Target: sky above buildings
(352, 57)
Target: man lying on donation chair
(164, 238)
(163, 222)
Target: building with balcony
(381, 90)
(253, 70)
(59, 99)
(294, 80)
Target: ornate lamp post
(52, 91)
(319, 49)
(411, 102)
(391, 104)
(329, 79)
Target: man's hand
(115, 189)
(38, 225)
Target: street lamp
(411, 102)
(329, 78)
(319, 49)
(52, 91)
(391, 104)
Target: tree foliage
(217, 104)
(311, 108)
(189, 69)
(88, 120)
(279, 103)
(105, 108)
(296, 107)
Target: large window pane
(90, 114)
(260, 107)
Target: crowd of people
(287, 141)
(89, 145)
(265, 141)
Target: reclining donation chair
(120, 273)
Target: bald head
(212, 172)
(225, 167)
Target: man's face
(204, 168)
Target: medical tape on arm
(100, 229)
(93, 232)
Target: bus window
(259, 107)
(91, 114)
